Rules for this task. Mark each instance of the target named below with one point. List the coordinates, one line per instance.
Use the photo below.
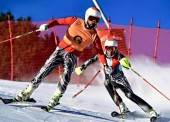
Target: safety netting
(21, 58)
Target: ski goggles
(113, 48)
(91, 18)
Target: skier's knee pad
(106, 83)
(129, 95)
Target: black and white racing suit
(117, 80)
(59, 56)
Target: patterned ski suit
(77, 38)
(117, 80)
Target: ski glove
(79, 70)
(108, 69)
(125, 63)
(43, 27)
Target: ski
(116, 114)
(46, 108)
(153, 119)
(13, 100)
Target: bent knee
(106, 83)
(129, 95)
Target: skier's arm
(124, 62)
(90, 61)
(79, 70)
(99, 50)
(62, 21)
(120, 55)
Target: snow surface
(94, 103)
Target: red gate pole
(86, 85)
(54, 31)
(11, 47)
(78, 77)
(156, 44)
(56, 42)
(130, 37)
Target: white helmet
(92, 11)
(111, 43)
(108, 43)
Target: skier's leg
(126, 88)
(141, 103)
(114, 95)
(69, 65)
(54, 60)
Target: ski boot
(54, 101)
(25, 94)
(153, 114)
(123, 108)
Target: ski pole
(110, 78)
(150, 84)
(16, 37)
(86, 85)
(119, 104)
(125, 63)
(102, 14)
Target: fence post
(156, 44)
(130, 37)
(11, 48)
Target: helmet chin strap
(111, 56)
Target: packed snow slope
(94, 103)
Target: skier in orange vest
(78, 36)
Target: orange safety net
(30, 52)
(118, 34)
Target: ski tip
(14, 100)
(31, 100)
(115, 113)
(153, 119)
(46, 108)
